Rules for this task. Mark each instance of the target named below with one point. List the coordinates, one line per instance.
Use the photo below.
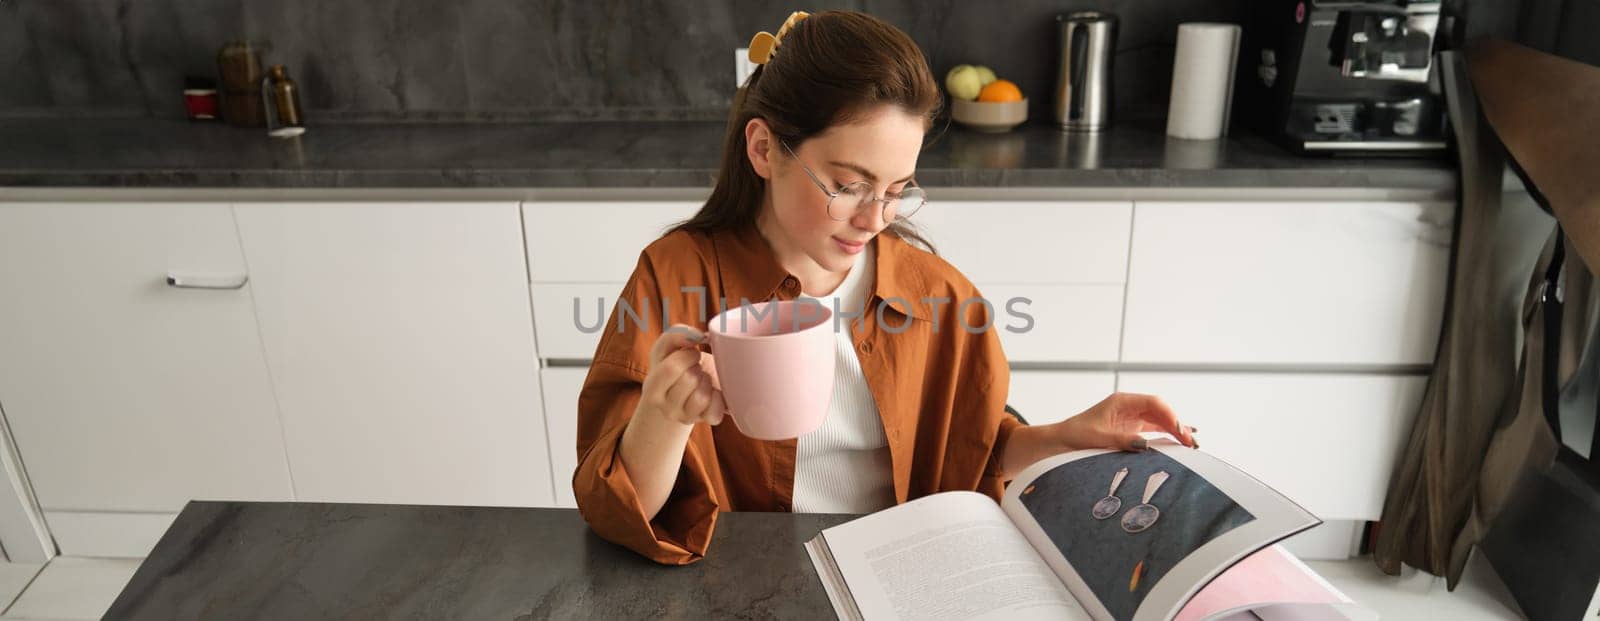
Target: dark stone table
(282, 560)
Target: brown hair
(830, 69)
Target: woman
(815, 189)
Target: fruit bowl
(991, 117)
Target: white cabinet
(1062, 264)
(595, 242)
(1018, 242)
(390, 352)
(1044, 397)
(561, 388)
(1287, 283)
(1327, 441)
(569, 317)
(1299, 289)
(1057, 323)
(401, 348)
(126, 395)
(1068, 259)
(583, 252)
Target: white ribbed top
(843, 466)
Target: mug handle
(705, 346)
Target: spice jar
(239, 64)
(200, 98)
(281, 98)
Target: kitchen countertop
(109, 153)
(282, 560)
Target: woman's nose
(870, 217)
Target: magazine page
(1274, 586)
(953, 555)
(1135, 535)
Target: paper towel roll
(1202, 80)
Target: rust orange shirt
(928, 346)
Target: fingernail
(694, 336)
(1141, 444)
(1194, 429)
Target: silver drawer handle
(205, 281)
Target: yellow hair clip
(765, 44)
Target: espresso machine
(1326, 77)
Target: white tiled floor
(1417, 595)
(82, 588)
(73, 588)
(14, 577)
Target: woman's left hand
(1117, 421)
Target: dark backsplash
(405, 60)
(520, 59)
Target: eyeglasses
(851, 199)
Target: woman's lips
(850, 247)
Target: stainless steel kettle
(1083, 84)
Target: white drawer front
(1328, 442)
(1319, 283)
(560, 329)
(1031, 242)
(594, 241)
(1044, 397)
(1070, 323)
(561, 388)
(109, 534)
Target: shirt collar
(747, 267)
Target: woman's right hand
(680, 390)
(682, 385)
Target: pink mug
(775, 362)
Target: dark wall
(1565, 27)
(565, 59)
(517, 59)
(1562, 27)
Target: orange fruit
(1000, 91)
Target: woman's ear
(758, 146)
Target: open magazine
(1167, 533)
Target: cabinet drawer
(1031, 242)
(1070, 323)
(561, 388)
(1328, 442)
(568, 332)
(1320, 283)
(112, 535)
(594, 242)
